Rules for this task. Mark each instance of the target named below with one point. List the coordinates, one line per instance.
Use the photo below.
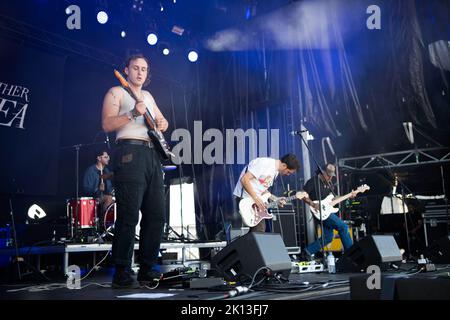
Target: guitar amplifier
(284, 222)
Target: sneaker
(124, 280)
(148, 277)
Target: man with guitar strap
(258, 177)
(332, 222)
(138, 176)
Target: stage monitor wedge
(380, 250)
(243, 257)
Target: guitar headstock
(301, 195)
(362, 188)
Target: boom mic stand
(320, 197)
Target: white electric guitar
(250, 213)
(329, 202)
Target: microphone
(297, 133)
(107, 140)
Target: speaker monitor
(380, 250)
(246, 255)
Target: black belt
(135, 142)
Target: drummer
(97, 181)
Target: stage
(307, 286)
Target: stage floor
(306, 286)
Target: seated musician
(97, 181)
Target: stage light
(123, 34)
(35, 212)
(102, 17)
(161, 6)
(166, 51)
(137, 5)
(152, 39)
(192, 56)
(178, 30)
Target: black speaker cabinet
(439, 251)
(284, 223)
(380, 250)
(244, 256)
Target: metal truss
(397, 159)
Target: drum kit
(90, 222)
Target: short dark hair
(100, 153)
(291, 161)
(138, 56)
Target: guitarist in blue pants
(138, 176)
(333, 222)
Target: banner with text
(31, 83)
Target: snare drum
(86, 215)
(110, 218)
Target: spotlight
(123, 34)
(166, 51)
(192, 56)
(137, 5)
(152, 39)
(102, 17)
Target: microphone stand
(403, 206)
(445, 200)
(320, 196)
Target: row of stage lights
(152, 38)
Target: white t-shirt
(265, 171)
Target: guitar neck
(148, 116)
(341, 198)
(288, 199)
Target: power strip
(306, 267)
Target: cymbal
(169, 168)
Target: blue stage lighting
(152, 39)
(192, 56)
(102, 17)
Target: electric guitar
(250, 213)
(155, 135)
(329, 202)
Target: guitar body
(327, 208)
(328, 204)
(250, 213)
(160, 144)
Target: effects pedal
(306, 267)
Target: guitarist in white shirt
(258, 177)
(333, 222)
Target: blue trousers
(332, 223)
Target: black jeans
(139, 185)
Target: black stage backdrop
(30, 104)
